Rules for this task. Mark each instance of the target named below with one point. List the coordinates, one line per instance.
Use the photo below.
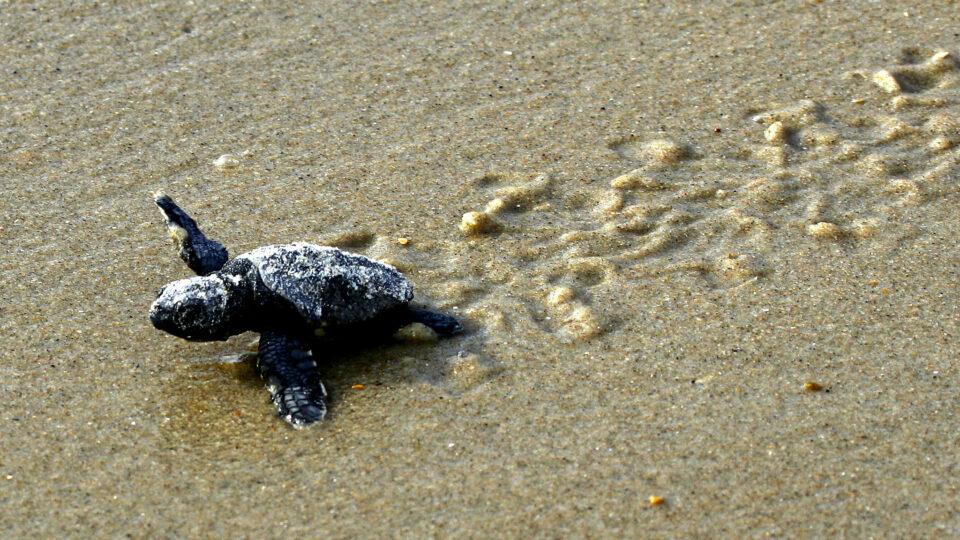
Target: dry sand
(703, 253)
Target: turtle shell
(327, 285)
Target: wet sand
(705, 255)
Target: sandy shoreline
(680, 216)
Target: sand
(705, 255)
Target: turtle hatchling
(290, 294)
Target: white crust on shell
(327, 284)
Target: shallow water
(657, 224)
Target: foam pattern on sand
(831, 174)
(549, 255)
(545, 291)
(813, 174)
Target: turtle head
(199, 309)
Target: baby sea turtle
(290, 294)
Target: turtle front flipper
(287, 365)
(200, 253)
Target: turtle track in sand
(536, 259)
(842, 174)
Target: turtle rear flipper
(287, 365)
(201, 254)
(444, 325)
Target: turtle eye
(191, 311)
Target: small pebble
(476, 223)
(560, 296)
(812, 387)
(943, 61)
(636, 179)
(664, 151)
(886, 80)
(738, 266)
(582, 323)
(940, 143)
(825, 229)
(775, 132)
(226, 161)
(495, 206)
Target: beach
(704, 255)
